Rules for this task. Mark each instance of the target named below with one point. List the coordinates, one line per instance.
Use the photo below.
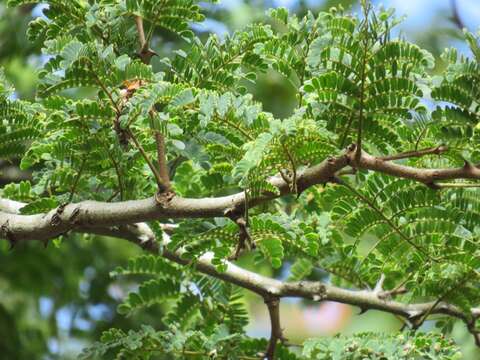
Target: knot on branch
(470, 169)
(73, 216)
(351, 155)
(320, 293)
(56, 217)
(163, 198)
(122, 134)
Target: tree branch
(416, 153)
(162, 187)
(145, 52)
(162, 160)
(104, 214)
(273, 305)
(270, 289)
(273, 290)
(426, 176)
(41, 226)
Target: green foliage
(421, 229)
(215, 309)
(100, 107)
(382, 346)
(457, 121)
(19, 124)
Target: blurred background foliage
(55, 301)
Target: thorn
(336, 180)
(466, 164)
(363, 310)
(229, 213)
(13, 243)
(379, 285)
(433, 186)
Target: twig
(161, 186)
(346, 131)
(456, 18)
(424, 317)
(366, 9)
(145, 52)
(415, 153)
(294, 168)
(77, 179)
(237, 127)
(422, 133)
(162, 160)
(425, 176)
(105, 90)
(141, 32)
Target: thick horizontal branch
(102, 214)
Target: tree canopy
(364, 193)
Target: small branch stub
(164, 197)
(244, 238)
